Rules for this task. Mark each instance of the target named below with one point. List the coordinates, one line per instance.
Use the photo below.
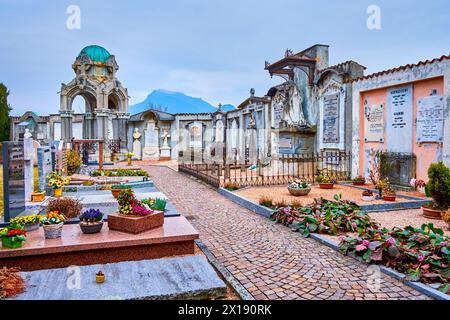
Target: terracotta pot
(57, 193)
(38, 196)
(358, 183)
(299, 192)
(389, 198)
(326, 185)
(115, 192)
(432, 213)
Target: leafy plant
(68, 207)
(129, 205)
(325, 216)
(359, 179)
(53, 217)
(439, 185)
(14, 232)
(73, 162)
(119, 173)
(121, 186)
(155, 204)
(266, 201)
(30, 219)
(423, 253)
(231, 186)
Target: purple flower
(420, 258)
(365, 243)
(354, 225)
(443, 244)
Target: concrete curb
(234, 283)
(266, 212)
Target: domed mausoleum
(106, 100)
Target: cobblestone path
(268, 259)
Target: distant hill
(175, 102)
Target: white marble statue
(137, 146)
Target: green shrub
(439, 185)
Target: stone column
(66, 125)
(122, 120)
(87, 126)
(446, 142)
(101, 123)
(29, 172)
(241, 137)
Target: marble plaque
(277, 115)
(373, 122)
(285, 144)
(430, 119)
(331, 118)
(13, 179)
(399, 119)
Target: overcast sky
(205, 48)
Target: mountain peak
(175, 102)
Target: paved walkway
(268, 259)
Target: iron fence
(272, 170)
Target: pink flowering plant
(298, 184)
(421, 253)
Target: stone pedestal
(165, 153)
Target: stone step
(188, 277)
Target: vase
(99, 278)
(7, 242)
(91, 228)
(53, 231)
(129, 161)
(57, 193)
(31, 227)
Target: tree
(4, 113)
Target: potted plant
(37, 195)
(389, 194)
(29, 223)
(133, 216)
(129, 156)
(117, 188)
(155, 204)
(438, 187)
(13, 236)
(299, 187)
(367, 195)
(56, 181)
(53, 224)
(91, 221)
(359, 181)
(418, 185)
(381, 185)
(325, 182)
(100, 277)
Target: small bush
(266, 201)
(296, 204)
(73, 162)
(68, 207)
(439, 185)
(231, 186)
(281, 203)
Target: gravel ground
(279, 193)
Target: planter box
(432, 213)
(389, 198)
(38, 196)
(358, 183)
(326, 185)
(31, 227)
(133, 224)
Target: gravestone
(331, 118)
(13, 179)
(373, 122)
(399, 120)
(430, 119)
(151, 147)
(28, 167)
(45, 166)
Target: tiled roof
(401, 68)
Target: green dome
(96, 53)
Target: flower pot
(135, 224)
(358, 183)
(326, 185)
(389, 198)
(299, 192)
(129, 161)
(367, 198)
(38, 196)
(99, 278)
(57, 193)
(432, 213)
(7, 242)
(53, 231)
(115, 192)
(90, 228)
(31, 227)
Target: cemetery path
(268, 259)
